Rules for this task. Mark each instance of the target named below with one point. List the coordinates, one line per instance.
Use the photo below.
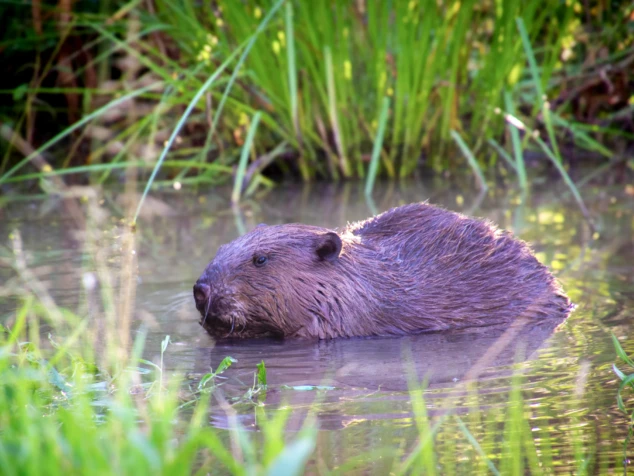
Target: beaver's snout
(209, 302)
(201, 294)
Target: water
(359, 387)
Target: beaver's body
(416, 268)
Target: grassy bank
(340, 89)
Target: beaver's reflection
(375, 368)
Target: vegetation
(499, 78)
(65, 414)
(627, 383)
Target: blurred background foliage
(318, 73)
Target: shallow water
(362, 400)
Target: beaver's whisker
(207, 309)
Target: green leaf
(165, 343)
(262, 374)
(205, 380)
(620, 352)
(20, 92)
(225, 364)
(627, 381)
(619, 374)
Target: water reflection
(367, 368)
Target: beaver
(413, 269)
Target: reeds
(318, 73)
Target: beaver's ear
(328, 246)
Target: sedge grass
(376, 149)
(199, 94)
(520, 167)
(473, 163)
(317, 70)
(627, 383)
(551, 152)
(74, 420)
(344, 73)
(238, 184)
(67, 417)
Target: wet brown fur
(415, 268)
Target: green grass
(244, 159)
(473, 163)
(627, 384)
(82, 421)
(377, 148)
(318, 73)
(64, 414)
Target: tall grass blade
(244, 159)
(537, 80)
(293, 458)
(292, 68)
(332, 109)
(377, 147)
(199, 94)
(473, 163)
(238, 67)
(562, 171)
(503, 153)
(476, 445)
(531, 59)
(177, 164)
(620, 352)
(584, 138)
(516, 143)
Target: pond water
(358, 388)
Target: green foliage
(318, 74)
(347, 59)
(627, 383)
(68, 418)
(208, 380)
(262, 375)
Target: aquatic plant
(627, 384)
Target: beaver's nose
(201, 293)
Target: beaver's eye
(260, 260)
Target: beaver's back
(452, 269)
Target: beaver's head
(275, 280)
